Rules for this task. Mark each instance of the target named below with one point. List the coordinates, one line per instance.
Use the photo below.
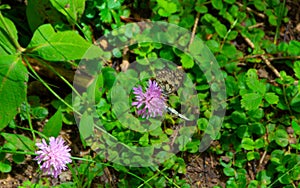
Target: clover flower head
(151, 103)
(53, 157)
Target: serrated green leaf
(19, 141)
(271, 98)
(61, 46)
(13, 77)
(297, 69)
(53, 126)
(253, 82)
(294, 47)
(251, 101)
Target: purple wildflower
(54, 156)
(151, 103)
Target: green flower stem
(32, 130)
(281, 12)
(108, 165)
(49, 88)
(286, 100)
(30, 125)
(62, 78)
(155, 175)
(17, 152)
(8, 32)
(167, 178)
(270, 186)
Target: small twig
(194, 28)
(256, 25)
(249, 42)
(250, 10)
(286, 57)
(267, 62)
(262, 159)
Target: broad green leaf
(217, 4)
(5, 166)
(248, 144)
(61, 46)
(144, 140)
(220, 29)
(260, 5)
(53, 126)
(13, 76)
(6, 44)
(271, 98)
(201, 9)
(251, 155)
(251, 101)
(187, 61)
(228, 171)
(39, 112)
(263, 177)
(18, 158)
(229, 51)
(72, 9)
(239, 117)
(38, 11)
(5, 6)
(20, 142)
(281, 138)
(86, 125)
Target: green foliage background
(260, 65)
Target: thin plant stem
(167, 178)
(281, 9)
(63, 79)
(284, 174)
(30, 125)
(49, 88)
(17, 152)
(32, 130)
